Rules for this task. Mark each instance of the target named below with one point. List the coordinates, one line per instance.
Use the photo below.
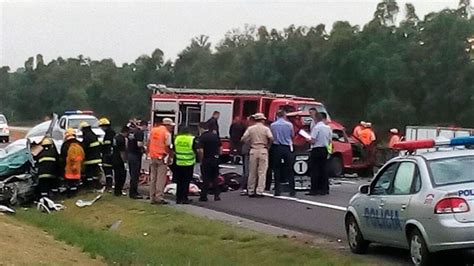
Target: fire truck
(189, 107)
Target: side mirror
(364, 189)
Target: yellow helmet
(104, 122)
(46, 141)
(69, 133)
(84, 124)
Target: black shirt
(136, 135)
(213, 125)
(119, 146)
(210, 143)
(236, 131)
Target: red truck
(189, 107)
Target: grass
(151, 235)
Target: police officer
(209, 146)
(91, 146)
(47, 162)
(185, 158)
(135, 149)
(107, 150)
(119, 158)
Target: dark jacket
(107, 147)
(91, 146)
(47, 162)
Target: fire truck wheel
(336, 168)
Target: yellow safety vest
(184, 150)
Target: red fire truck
(189, 107)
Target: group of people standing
(267, 151)
(82, 162)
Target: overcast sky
(124, 30)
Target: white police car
(423, 202)
(72, 119)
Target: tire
(355, 239)
(419, 253)
(336, 168)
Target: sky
(124, 30)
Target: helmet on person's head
(70, 133)
(46, 142)
(104, 122)
(394, 131)
(84, 124)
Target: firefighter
(72, 156)
(91, 146)
(47, 162)
(107, 151)
(185, 159)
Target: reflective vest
(367, 136)
(393, 140)
(47, 163)
(183, 145)
(330, 148)
(158, 148)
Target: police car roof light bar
(431, 143)
(78, 112)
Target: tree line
(418, 71)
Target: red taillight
(451, 205)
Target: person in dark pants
(93, 158)
(185, 159)
(209, 146)
(119, 157)
(107, 150)
(236, 131)
(72, 156)
(321, 135)
(47, 162)
(135, 151)
(282, 157)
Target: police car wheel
(418, 252)
(356, 241)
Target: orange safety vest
(356, 132)
(158, 148)
(366, 136)
(394, 139)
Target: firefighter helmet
(46, 141)
(69, 133)
(84, 124)
(104, 122)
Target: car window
(384, 181)
(404, 178)
(75, 123)
(417, 184)
(3, 120)
(448, 171)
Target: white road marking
(309, 202)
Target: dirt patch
(27, 245)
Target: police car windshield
(306, 107)
(75, 122)
(449, 171)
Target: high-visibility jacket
(47, 162)
(356, 131)
(184, 152)
(330, 148)
(106, 147)
(367, 136)
(91, 146)
(158, 143)
(72, 155)
(394, 139)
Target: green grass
(172, 237)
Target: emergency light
(431, 143)
(78, 112)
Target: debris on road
(5, 209)
(84, 203)
(47, 205)
(115, 225)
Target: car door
(371, 206)
(396, 203)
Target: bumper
(4, 134)
(448, 234)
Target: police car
(422, 202)
(72, 119)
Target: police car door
(373, 206)
(396, 202)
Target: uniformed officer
(119, 158)
(185, 159)
(209, 147)
(47, 163)
(107, 150)
(135, 150)
(259, 138)
(91, 146)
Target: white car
(4, 130)
(421, 202)
(73, 119)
